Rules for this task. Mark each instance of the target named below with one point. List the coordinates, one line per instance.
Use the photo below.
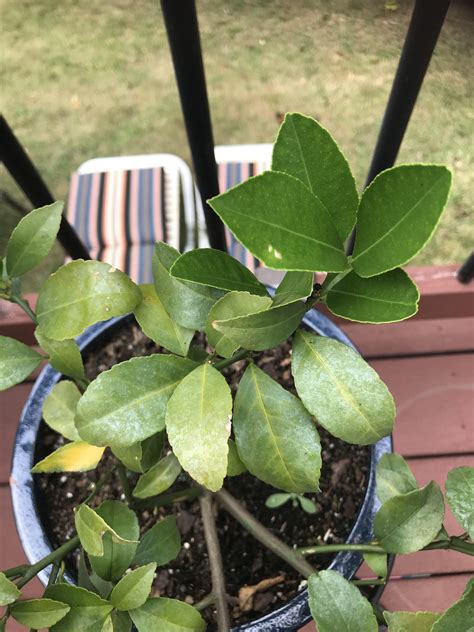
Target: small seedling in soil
(277, 500)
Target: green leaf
(282, 223)
(131, 456)
(152, 448)
(307, 504)
(127, 403)
(408, 523)
(17, 361)
(341, 390)
(64, 355)
(460, 496)
(157, 324)
(77, 456)
(305, 150)
(167, 614)
(235, 467)
(82, 293)
(159, 478)
(397, 215)
(198, 425)
(410, 621)
(160, 544)
(91, 527)
(133, 589)
(232, 305)
(33, 238)
(265, 329)
(121, 621)
(386, 298)
(141, 456)
(59, 409)
(88, 610)
(377, 562)
(215, 268)
(117, 557)
(460, 616)
(187, 303)
(39, 613)
(277, 500)
(295, 286)
(338, 605)
(276, 438)
(8, 591)
(393, 477)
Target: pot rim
(292, 615)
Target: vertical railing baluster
(183, 36)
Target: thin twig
(205, 602)
(215, 561)
(239, 355)
(321, 549)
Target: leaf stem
(124, 482)
(238, 355)
(262, 534)
(454, 544)
(165, 500)
(215, 561)
(368, 582)
(54, 556)
(25, 306)
(321, 549)
(205, 602)
(16, 571)
(330, 281)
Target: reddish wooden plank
(433, 593)
(15, 323)
(435, 403)
(11, 404)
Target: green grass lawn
(85, 79)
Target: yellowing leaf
(77, 456)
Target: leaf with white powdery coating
(8, 591)
(393, 477)
(91, 527)
(133, 589)
(160, 544)
(341, 390)
(409, 522)
(59, 409)
(17, 361)
(410, 621)
(460, 615)
(167, 614)
(336, 604)
(127, 403)
(159, 478)
(39, 613)
(386, 298)
(87, 611)
(276, 438)
(305, 150)
(397, 215)
(261, 213)
(33, 238)
(77, 456)
(64, 355)
(198, 425)
(157, 324)
(82, 293)
(460, 496)
(295, 286)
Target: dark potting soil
(246, 561)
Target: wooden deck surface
(428, 364)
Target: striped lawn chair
(121, 206)
(236, 163)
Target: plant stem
(54, 572)
(368, 582)
(453, 544)
(263, 535)
(215, 561)
(98, 486)
(16, 571)
(165, 500)
(25, 306)
(124, 482)
(205, 602)
(239, 355)
(331, 281)
(335, 548)
(54, 556)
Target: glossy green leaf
(460, 496)
(277, 500)
(82, 293)
(187, 303)
(460, 616)
(90, 527)
(17, 361)
(160, 544)
(305, 150)
(295, 286)
(167, 614)
(235, 467)
(397, 215)
(133, 589)
(77, 456)
(265, 329)
(281, 222)
(152, 448)
(215, 268)
(59, 409)
(159, 478)
(276, 438)
(338, 605)
(39, 613)
(131, 456)
(393, 477)
(64, 355)
(87, 611)
(377, 562)
(8, 591)
(407, 523)
(33, 238)
(157, 324)
(198, 425)
(127, 403)
(341, 390)
(117, 556)
(386, 298)
(410, 621)
(232, 305)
